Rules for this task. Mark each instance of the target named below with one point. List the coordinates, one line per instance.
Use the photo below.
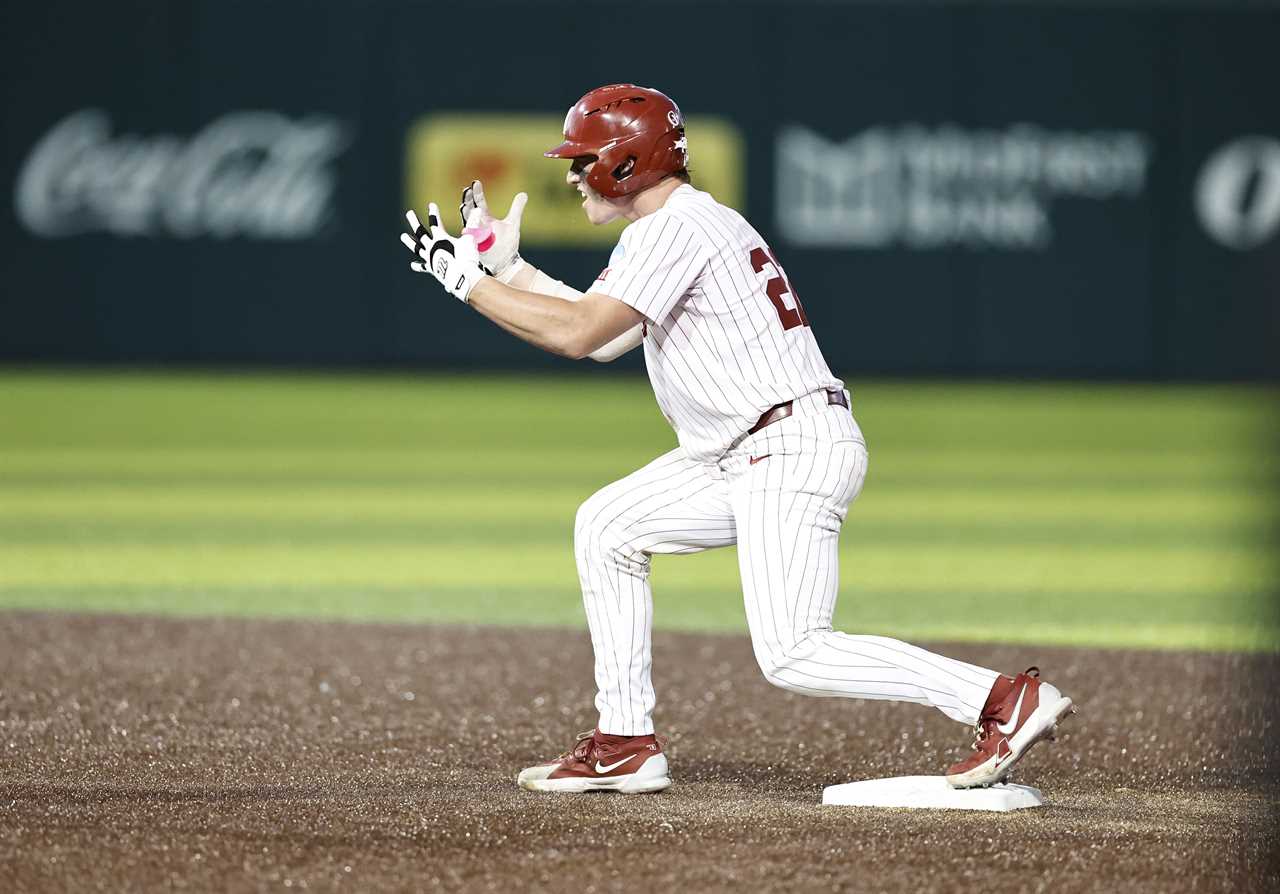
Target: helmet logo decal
(673, 117)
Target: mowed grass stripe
(554, 532)
(149, 411)
(1203, 466)
(879, 502)
(1058, 618)
(1025, 569)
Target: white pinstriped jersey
(726, 337)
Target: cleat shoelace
(986, 726)
(583, 749)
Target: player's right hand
(453, 261)
(498, 240)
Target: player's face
(598, 209)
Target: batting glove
(497, 240)
(453, 261)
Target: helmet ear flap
(623, 171)
(611, 171)
(637, 162)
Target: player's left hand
(497, 238)
(453, 260)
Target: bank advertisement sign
(928, 187)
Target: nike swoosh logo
(1006, 729)
(602, 769)
(1008, 752)
(756, 459)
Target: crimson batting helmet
(635, 133)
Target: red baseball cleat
(599, 762)
(1020, 711)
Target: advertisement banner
(257, 174)
(1024, 190)
(504, 152)
(932, 188)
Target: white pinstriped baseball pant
(784, 512)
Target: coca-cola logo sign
(254, 174)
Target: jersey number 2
(776, 287)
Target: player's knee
(773, 675)
(591, 525)
(778, 664)
(776, 674)
(600, 534)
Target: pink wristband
(483, 236)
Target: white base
(931, 792)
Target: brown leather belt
(782, 411)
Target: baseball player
(769, 455)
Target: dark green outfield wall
(973, 189)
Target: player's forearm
(544, 321)
(529, 278)
(619, 346)
(522, 276)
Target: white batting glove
(453, 261)
(497, 240)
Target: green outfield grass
(1074, 514)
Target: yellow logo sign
(504, 152)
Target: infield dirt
(141, 754)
